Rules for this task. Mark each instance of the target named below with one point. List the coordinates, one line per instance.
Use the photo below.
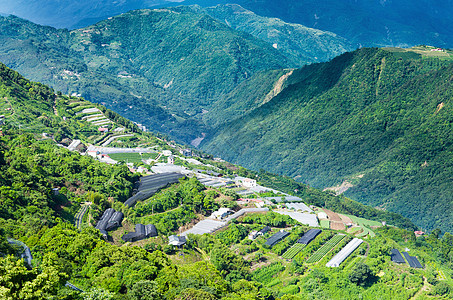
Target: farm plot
(132, 157)
(319, 254)
(324, 223)
(332, 215)
(293, 251)
(337, 226)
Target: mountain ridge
(343, 119)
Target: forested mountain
(154, 66)
(71, 14)
(364, 23)
(381, 119)
(301, 44)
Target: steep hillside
(154, 66)
(36, 223)
(299, 43)
(381, 119)
(362, 22)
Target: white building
(246, 182)
(223, 212)
(322, 215)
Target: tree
(145, 290)
(17, 282)
(361, 275)
(97, 294)
(193, 294)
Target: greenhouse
(276, 238)
(149, 185)
(396, 256)
(344, 253)
(309, 236)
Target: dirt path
(424, 288)
(55, 111)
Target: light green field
(325, 223)
(132, 157)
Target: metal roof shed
(115, 220)
(102, 223)
(276, 238)
(412, 261)
(150, 230)
(309, 236)
(265, 230)
(396, 257)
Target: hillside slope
(302, 45)
(381, 119)
(364, 23)
(154, 66)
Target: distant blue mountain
(70, 13)
(363, 22)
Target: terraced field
(293, 251)
(319, 254)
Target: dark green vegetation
(162, 68)
(35, 108)
(301, 44)
(381, 119)
(225, 265)
(365, 23)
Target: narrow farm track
(80, 214)
(422, 289)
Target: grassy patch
(132, 157)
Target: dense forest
(153, 66)
(380, 119)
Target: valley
(201, 151)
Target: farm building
(299, 206)
(276, 238)
(244, 211)
(209, 172)
(110, 220)
(222, 213)
(205, 226)
(176, 240)
(309, 236)
(304, 218)
(115, 221)
(344, 253)
(396, 257)
(412, 261)
(246, 182)
(141, 232)
(322, 215)
(186, 152)
(254, 234)
(149, 185)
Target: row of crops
(266, 274)
(293, 251)
(319, 254)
